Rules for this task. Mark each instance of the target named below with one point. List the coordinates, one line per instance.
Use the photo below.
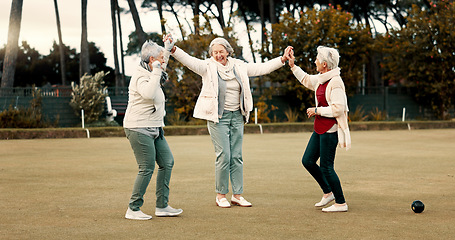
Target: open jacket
(146, 101)
(336, 98)
(207, 103)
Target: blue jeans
(147, 150)
(227, 138)
(323, 147)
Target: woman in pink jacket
(330, 125)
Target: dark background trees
(381, 42)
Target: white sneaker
(167, 212)
(241, 202)
(223, 203)
(136, 215)
(324, 201)
(335, 208)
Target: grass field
(79, 189)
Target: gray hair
(222, 42)
(328, 55)
(150, 49)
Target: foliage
(134, 45)
(89, 95)
(292, 115)
(329, 27)
(263, 110)
(422, 55)
(377, 115)
(30, 117)
(33, 68)
(358, 114)
(175, 119)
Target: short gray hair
(150, 49)
(328, 55)
(223, 42)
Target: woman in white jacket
(225, 101)
(143, 124)
(330, 125)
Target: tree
(421, 55)
(328, 27)
(84, 57)
(141, 35)
(118, 78)
(9, 63)
(90, 96)
(33, 68)
(122, 52)
(60, 41)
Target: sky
(39, 28)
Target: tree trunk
(177, 19)
(220, 17)
(196, 16)
(84, 58)
(263, 30)
(61, 46)
(137, 22)
(247, 24)
(159, 6)
(114, 41)
(9, 63)
(122, 55)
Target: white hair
(223, 42)
(329, 56)
(150, 49)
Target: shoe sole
(168, 214)
(222, 206)
(334, 211)
(141, 219)
(238, 204)
(325, 204)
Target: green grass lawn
(79, 189)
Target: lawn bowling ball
(417, 206)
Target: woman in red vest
(330, 125)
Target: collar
(324, 77)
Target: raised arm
(307, 80)
(258, 69)
(147, 86)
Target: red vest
(322, 124)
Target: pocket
(206, 105)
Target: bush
(358, 114)
(378, 115)
(31, 117)
(90, 95)
(292, 115)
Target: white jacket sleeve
(337, 106)
(259, 69)
(194, 64)
(148, 85)
(307, 80)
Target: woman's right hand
(291, 59)
(169, 43)
(156, 64)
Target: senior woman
(330, 125)
(143, 124)
(225, 101)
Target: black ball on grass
(417, 206)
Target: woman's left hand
(286, 53)
(311, 112)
